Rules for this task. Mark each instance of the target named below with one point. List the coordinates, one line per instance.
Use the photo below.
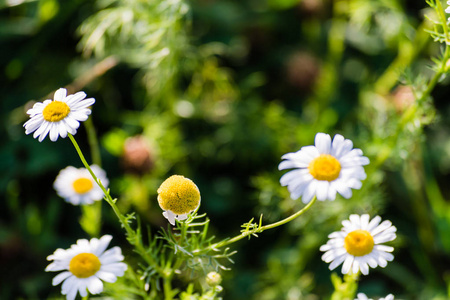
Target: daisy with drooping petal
(359, 245)
(362, 296)
(324, 169)
(178, 196)
(85, 265)
(58, 117)
(77, 186)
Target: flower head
(359, 245)
(324, 169)
(77, 185)
(85, 265)
(178, 196)
(213, 278)
(362, 296)
(58, 117)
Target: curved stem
(93, 142)
(133, 238)
(410, 113)
(263, 228)
(92, 214)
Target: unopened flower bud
(213, 279)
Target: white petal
(106, 276)
(112, 255)
(71, 294)
(80, 115)
(300, 156)
(299, 189)
(322, 190)
(309, 192)
(290, 164)
(347, 264)
(384, 248)
(68, 284)
(71, 122)
(336, 145)
(102, 245)
(75, 98)
(371, 260)
(60, 277)
(356, 220)
(331, 192)
(337, 261)
(83, 104)
(364, 221)
(117, 269)
(364, 267)
(355, 266)
(54, 132)
(181, 217)
(323, 143)
(290, 176)
(82, 287)
(383, 226)
(95, 285)
(41, 129)
(60, 94)
(342, 188)
(62, 130)
(33, 124)
(373, 223)
(169, 216)
(310, 152)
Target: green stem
(92, 214)
(93, 142)
(344, 289)
(446, 55)
(133, 238)
(263, 228)
(167, 288)
(410, 113)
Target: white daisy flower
(362, 296)
(324, 169)
(178, 196)
(85, 265)
(358, 245)
(58, 117)
(447, 10)
(77, 186)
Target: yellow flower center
(84, 265)
(325, 167)
(359, 243)
(82, 185)
(56, 111)
(178, 194)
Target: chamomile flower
(78, 187)
(362, 296)
(178, 196)
(359, 245)
(324, 169)
(85, 265)
(58, 117)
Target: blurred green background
(218, 91)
